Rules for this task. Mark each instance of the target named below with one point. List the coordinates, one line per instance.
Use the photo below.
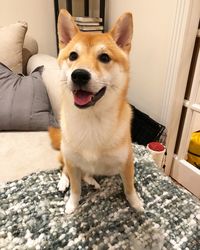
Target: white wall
(39, 14)
(153, 27)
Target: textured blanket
(32, 214)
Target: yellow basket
(194, 149)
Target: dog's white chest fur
(91, 142)
(94, 163)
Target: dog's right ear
(66, 28)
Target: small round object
(156, 146)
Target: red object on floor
(156, 146)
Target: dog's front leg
(127, 175)
(74, 174)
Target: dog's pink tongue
(82, 97)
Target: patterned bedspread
(32, 213)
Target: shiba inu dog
(95, 116)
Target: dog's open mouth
(85, 99)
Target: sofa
(28, 150)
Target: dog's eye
(73, 56)
(104, 58)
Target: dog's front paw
(139, 206)
(135, 202)
(63, 183)
(70, 206)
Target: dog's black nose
(80, 76)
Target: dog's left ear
(122, 31)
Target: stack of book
(89, 24)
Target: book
(88, 19)
(87, 23)
(93, 31)
(90, 28)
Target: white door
(182, 103)
(185, 173)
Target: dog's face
(95, 65)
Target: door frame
(176, 80)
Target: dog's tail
(55, 136)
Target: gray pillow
(24, 103)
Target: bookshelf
(84, 21)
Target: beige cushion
(30, 48)
(11, 44)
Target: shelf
(69, 4)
